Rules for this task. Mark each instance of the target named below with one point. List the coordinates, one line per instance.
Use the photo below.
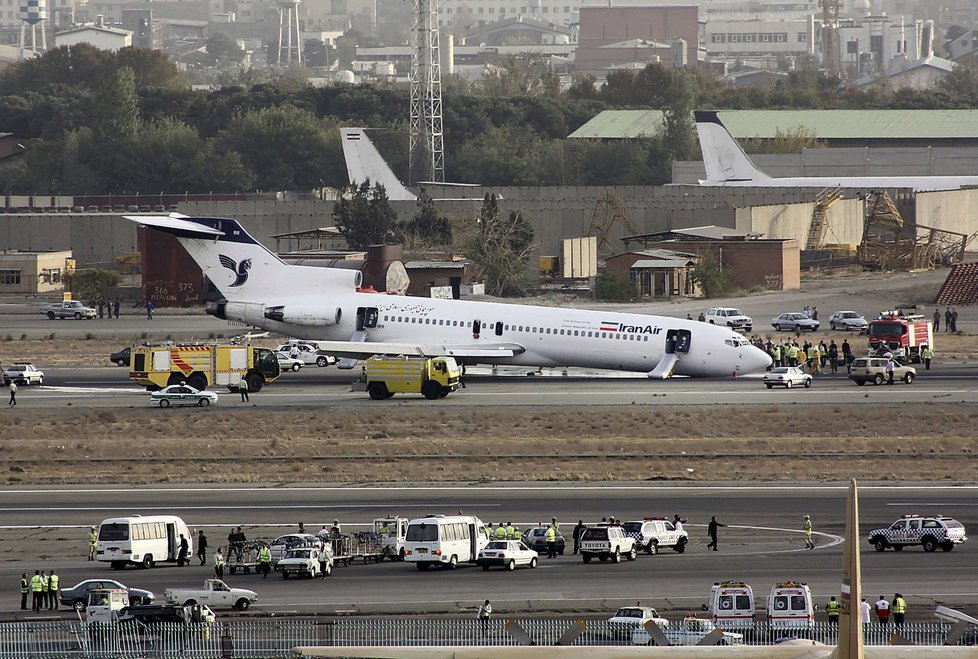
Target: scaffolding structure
(608, 212)
(889, 243)
(427, 147)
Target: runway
(761, 545)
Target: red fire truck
(900, 334)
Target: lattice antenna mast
(831, 57)
(427, 154)
(289, 36)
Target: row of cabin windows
(490, 327)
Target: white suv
(928, 532)
(729, 317)
(652, 534)
(308, 352)
(606, 542)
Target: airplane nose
(757, 360)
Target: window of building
(802, 37)
(51, 275)
(9, 277)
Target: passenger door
(678, 341)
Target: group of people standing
(950, 319)
(883, 609)
(108, 308)
(44, 589)
(816, 357)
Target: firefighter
(264, 561)
(832, 611)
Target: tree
(427, 228)
(117, 109)
(222, 47)
(713, 279)
(91, 284)
(364, 217)
(502, 248)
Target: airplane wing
(362, 350)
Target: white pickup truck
(69, 309)
(215, 593)
(604, 542)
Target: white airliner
(364, 163)
(324, 304)
(728, 165)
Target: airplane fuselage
(548, 336)
(916, 183)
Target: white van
(143, 541)
(731, 605)
(445, 541)
(790, 606)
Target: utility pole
(427, 147)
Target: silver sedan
(787, 377)
(182, 394)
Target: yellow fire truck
(434, 377)
(203, 365)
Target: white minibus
(446, 541)
(142, 541)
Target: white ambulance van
(790, 606)
(731, 605)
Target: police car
(929, 532)
(654, 533)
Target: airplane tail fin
(722, 156)
(363, 162)
(240, 266)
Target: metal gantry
(427, 148)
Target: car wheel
(632, 554)
(204, 402)
(254, 382)
(880, 544)
(50, 315)
(190, 603)
(147, 562)
(295, 367)
(860, 382)
(377, 390)
(164, 403)
(897, 547)
(118, 565)
(242, 604)
(777, 327)
(908, 378)
(322, 361)
(77, 316)
(616, 557)
(712, 323)
(878, 379)
(787, 384)
(120, 362)
(485, 568)
(423, 566)
(533, 561)
(929, 544)
(947, 546)
(585, 558)
(653, 547)
(40, 381)
(769, 385)
(832, 326)
(285, 575)
(511, 565)
(808, 383)
(453, 562)
(78, 605)
(431, 390)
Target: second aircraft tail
(722, 156)
(363, 162)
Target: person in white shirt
(677, 522)
(883, 610)
(865, 612)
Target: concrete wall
(845, 221)
(952, 210)
(95, 239)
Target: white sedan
(787, 377)
(287, 363)
(508, 554)
(848, 320)
(182, 394)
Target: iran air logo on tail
(240, 270)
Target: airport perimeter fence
(270, 639)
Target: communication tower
(831, 57)
(289, 39)
(427, 154)
(32, 13)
